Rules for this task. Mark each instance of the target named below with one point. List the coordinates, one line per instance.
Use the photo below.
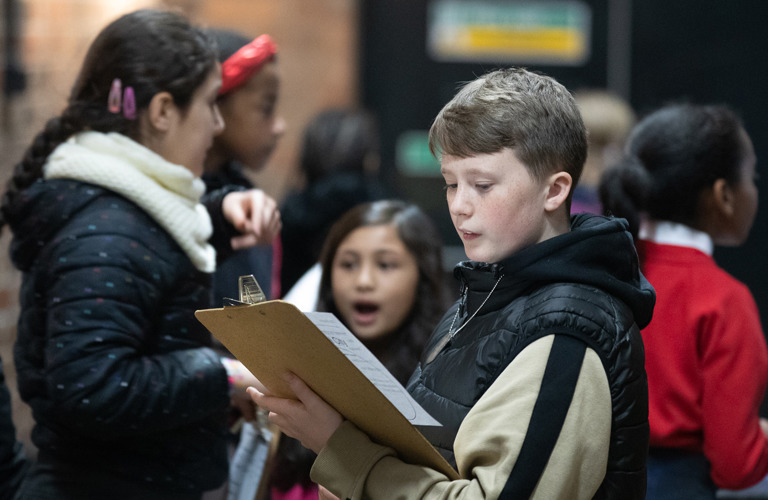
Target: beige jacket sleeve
(488, 443)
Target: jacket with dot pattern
(118, 372)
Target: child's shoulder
(561, 305)
(567, 296)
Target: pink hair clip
(114, 101)
(129, 104)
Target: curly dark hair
(149, 50)
(671, 156)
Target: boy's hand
(255, 215)
(310, 419)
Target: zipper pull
(463, 301)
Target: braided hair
(151, 51)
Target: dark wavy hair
(149, 50)
(671, 156)
(338, 140)
(420, 237)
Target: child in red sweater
(690, 172)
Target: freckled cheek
(499, 211)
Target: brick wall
(317, 46)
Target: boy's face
(496, 206)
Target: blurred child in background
(687, 184)
(382, 276)
(340, 163)
(247, 101)
(608, 119)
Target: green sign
(413, 157)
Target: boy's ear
(161, 111)
(558, 188)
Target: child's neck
(557, 223)
(215, 159)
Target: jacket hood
(40, 211)
(598, 251)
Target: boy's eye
(483, 187)
(448, 187)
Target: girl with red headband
(247, 100)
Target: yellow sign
(555, 32)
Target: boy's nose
(459, 204)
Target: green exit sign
(413, 157)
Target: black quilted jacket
(584, 284)
(117, 370)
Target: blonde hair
(608, 119)
(515, 109)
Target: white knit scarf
(169, 193)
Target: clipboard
(273, 337)
(251, 465)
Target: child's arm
(487, 446)
(733, 366)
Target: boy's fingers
(255, 395)
(299, 387)
(303, 392)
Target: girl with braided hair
(117, 239)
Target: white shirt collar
(673, 233)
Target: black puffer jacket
(109, 355)
(584, 284)
(13, 462)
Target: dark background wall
(703, 51)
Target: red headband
(246, 62)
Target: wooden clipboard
(273, 337)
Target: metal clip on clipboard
(250, 292)
(251, 464)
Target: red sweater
(707, 364)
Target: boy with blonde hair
(537, 372)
